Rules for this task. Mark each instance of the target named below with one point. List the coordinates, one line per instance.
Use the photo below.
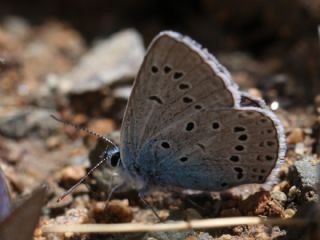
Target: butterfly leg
(142, 194)
(112, 191)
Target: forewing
(177, 78)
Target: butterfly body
(185, 126)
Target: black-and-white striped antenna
(111, 145)
(84, 129)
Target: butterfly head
(112, 157)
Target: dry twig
(174, 226)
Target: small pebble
(308, 172)
(279, 196)
(255, 92)
(238, 230)
(284, 186)
(295, 136)
(102, 126)
(164, 214)
(72, 174)
(289, 213)
(117, 211)
(53, 142)
(80, 119)
(293, 193)
(299, 149)
(225, 237)
(95, 71)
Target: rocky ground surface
(49, 69)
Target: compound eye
(115, 159)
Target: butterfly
(188, 126)
(23, 219)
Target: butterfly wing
(173, 72)
(5, 201)
(177, 81)
(218, 149)
(22, 221)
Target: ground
(37, 65)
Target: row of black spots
(187, 99)
(167, 69)
(190, 126)
(255, 115)
(166, 145)
(250, 113)
(266, 157)
(268, 143)
(255, 177)
(267, 131)
(243, 137)
(239, 172)
(256, 170)
(156, 99)
(263, 120)
(176, 75)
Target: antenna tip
(54, 117)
